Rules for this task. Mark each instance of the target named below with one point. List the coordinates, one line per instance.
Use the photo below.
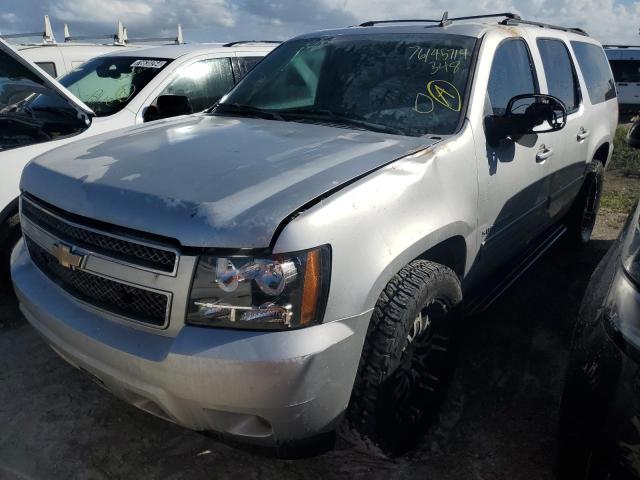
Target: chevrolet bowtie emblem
(66, 257)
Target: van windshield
(108, 84)
(406, 84)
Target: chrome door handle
(544, 153)
(583, 134)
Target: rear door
(565, 169)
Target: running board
(482, 302)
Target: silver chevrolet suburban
(297, 258)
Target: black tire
(407, 359)
(582, 217)
(10, 233)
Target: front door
(513, 184)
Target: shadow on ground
(499, 420)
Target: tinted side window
(244, 64)
(595, 69)
(626, 70)
(48, 67)
(560, 72)
(512, 74)
(203, 83)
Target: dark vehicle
(600, 413)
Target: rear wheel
(407, 358)
(9, 235)
(582, 217)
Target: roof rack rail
(514, 21)
(47, 35)
(242, 42)
(178, 39)
(509, 19)
(445, 20)
(621, 46)
(119, 38)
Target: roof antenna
(67, 35)
(179, 39)
(445, 22)
(48, 37)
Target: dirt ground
(499, 421)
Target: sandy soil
(499, 421)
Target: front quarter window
(407, 84)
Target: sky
(610, 21)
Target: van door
(21, 123)
(566, 171)
(513, 175)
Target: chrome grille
(119, 298)
(146, 256)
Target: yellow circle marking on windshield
(445, 93)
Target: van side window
(512, 73)
(596, 71)
(626, 70)
(561, 75)
(48, 67)
(203, 82)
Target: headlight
(271, 292)
(631, 249)
(622, 309)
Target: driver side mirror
(633, 137)
(168, 106)
(524, 113)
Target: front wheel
(582, 217)
(408, 357)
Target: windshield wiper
(246, 110)
(343, 118)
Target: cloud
(611, 21)
(146, 14)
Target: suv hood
(208, 181)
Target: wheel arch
(6, 213)
(447, 245)
(603, 153)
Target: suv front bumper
(264, 388)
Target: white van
(625, 63)
(58, 59)
(110, 92)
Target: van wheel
(582, 217)
(9, 235)
(407, 359)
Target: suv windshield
(407, 84)
(108, 84)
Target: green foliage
(626, 160)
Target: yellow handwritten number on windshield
(445, 93)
